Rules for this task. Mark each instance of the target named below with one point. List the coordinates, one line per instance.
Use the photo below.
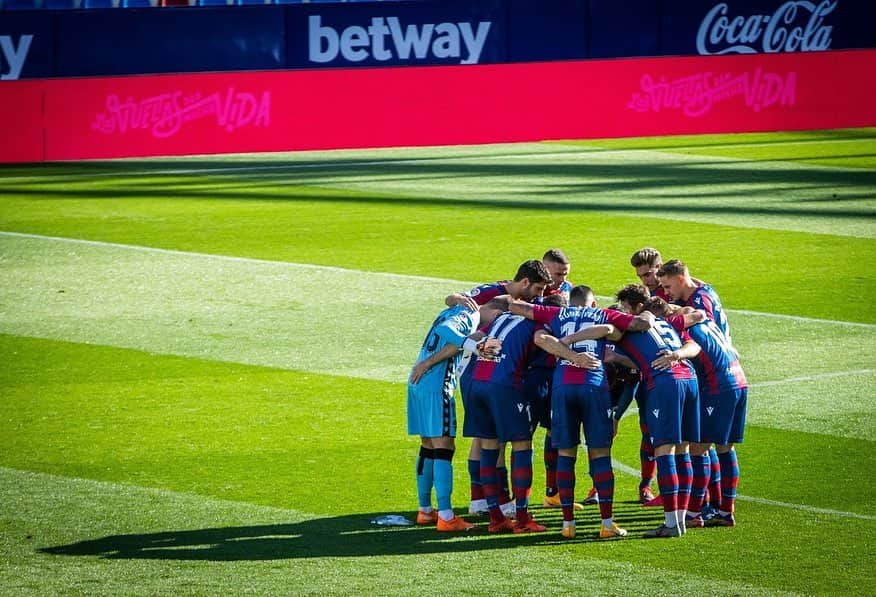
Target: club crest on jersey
(710, 409)
(656, 413)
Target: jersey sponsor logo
(13, 56)
(386, 38)
(795, 26)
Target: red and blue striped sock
(424, 471)
(667, 480)
(504, 486)
(646, 458)
(603, 480)
(566, 485)
(521, 480)
(490, 482)
(551, 454)
(729, 480)
(474, 475)
(701, 473)
(684, 470)
(715, 481)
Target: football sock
(715, 480)
(685, 479)
(701, 474)
(729, 480)
(521, 479)
(550, 466)
(566, 485)
(646, 458)
(603, 480)
(443, 479)
(474, 475)
(424, 471)
(667, 480)
(504, 486)
(490, 482)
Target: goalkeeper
(432, 409)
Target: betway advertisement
(354, 108)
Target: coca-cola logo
(796, 26)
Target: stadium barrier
(66, 43)
(111, 117)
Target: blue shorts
(537, 389)
(430, 414)
(498, 412)
(574, 406)
(722, 417)
(673, 411)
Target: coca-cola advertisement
(715, 28)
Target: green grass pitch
(204, 362)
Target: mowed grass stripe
(65, 535)
(221, 429)
(280, 315)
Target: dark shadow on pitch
(342, 536)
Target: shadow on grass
(342, 536)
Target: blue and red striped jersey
(484, 293)
(705, 298)
(644, 347)
(717, 365)
(518, 350)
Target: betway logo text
(794, 26)
(13, 57)
(385, 39)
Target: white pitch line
(778, 382)
(813, 509)
(460, 283)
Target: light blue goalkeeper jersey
(452, 326)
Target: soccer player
(499, 413)
(672, 401)
(529, 283)
(558, 266)
(684, 289)
(723, 401)
(646, 262)
(580, 398)
(432, 412)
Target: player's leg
(598, 425)
(647, 463)
(425, 481)
(565, 432)
(664, 424)
(421, 423)
(699, 455)
(728, 459)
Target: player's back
(644, 347)
(451, 326)
(568, 321)
(518, 349)
(717, 365)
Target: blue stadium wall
(106, 42)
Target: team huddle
(537, 350)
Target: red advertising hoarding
(379, 107)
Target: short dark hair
(555, 256)
(632, 294)
(648, 256)
(579, 293)
(554, 300)
(534, 271)
(657, 306)
(673, 267)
